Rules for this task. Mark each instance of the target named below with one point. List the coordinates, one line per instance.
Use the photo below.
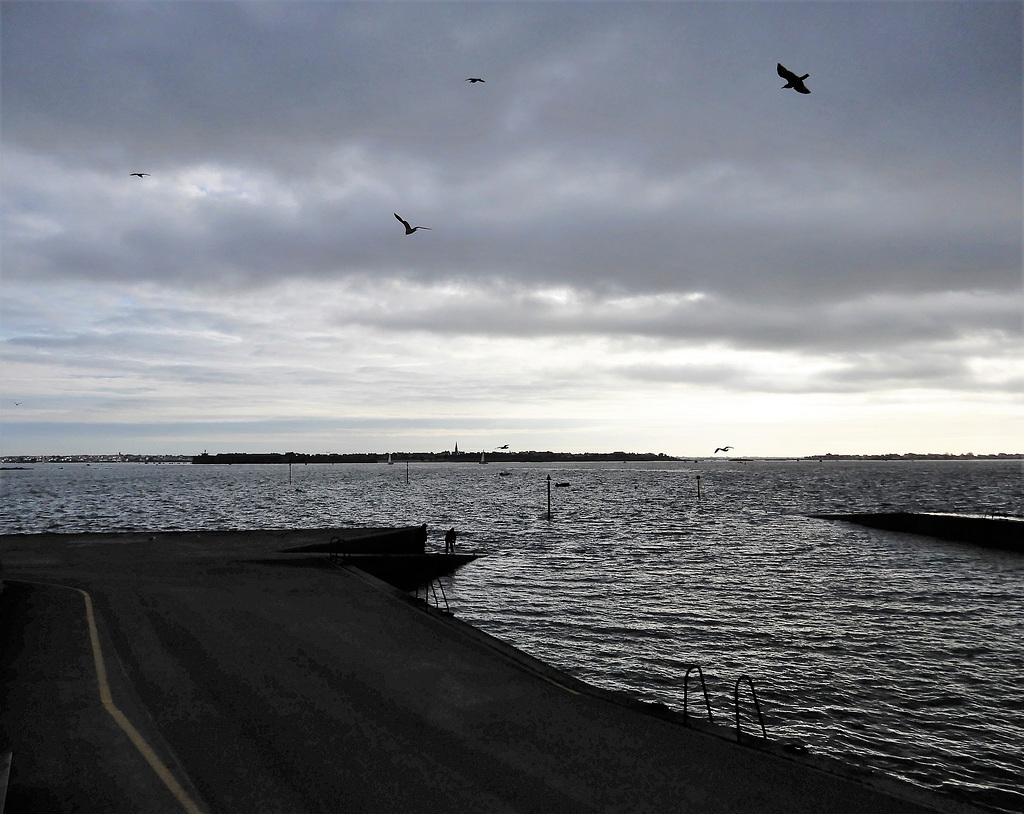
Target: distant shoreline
(496, 457)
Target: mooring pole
(549, 497)
(289, 472)
(406, 471)
(698, 487)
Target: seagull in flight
(409, 229)
(722, 449)
(138, 174)
(792, 80)
(504, 447)
(474, 79)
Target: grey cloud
(847, 374)
(892, 176)
(180, 76)
(630, 175)
(858, 322)
(581, 232)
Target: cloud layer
(628, 215)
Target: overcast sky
(639, 240)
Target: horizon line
(129, 456)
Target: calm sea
(897, 652)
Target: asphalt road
(70, 754)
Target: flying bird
(474, 79)
(792, 80)
(138, 174)
(409, 229)
(504, 447)
(722, 449)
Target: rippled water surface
(897, 652)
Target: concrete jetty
(1006, 533)
(260, 681)
(397, 556)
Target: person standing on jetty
(449, 541)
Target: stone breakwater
(1006, 533)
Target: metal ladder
(757, 706)
(707, 700)
(333, 554)
(430, 589)
(686, 692)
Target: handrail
(757, 706)
(437, 582)
(686, 688)
(433, 590)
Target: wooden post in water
(549, 497)
(289, 473)
(698, 487)
(406, 471)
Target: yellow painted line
(560, 686)
(122, 721)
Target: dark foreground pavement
(268, 684)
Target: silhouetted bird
(504, 447)
(722, 449)
(475, 79)
(138, 174)
(409, 229)
(792, 80)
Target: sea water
(891, 651)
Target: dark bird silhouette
(17, 403)
(722, 449)
(474, 79)
(504, 447)
(138, 174)
(792, 80)
(409, 229)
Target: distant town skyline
(534, 456)
(638, 239)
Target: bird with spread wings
(409, 229)
(792, 80)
